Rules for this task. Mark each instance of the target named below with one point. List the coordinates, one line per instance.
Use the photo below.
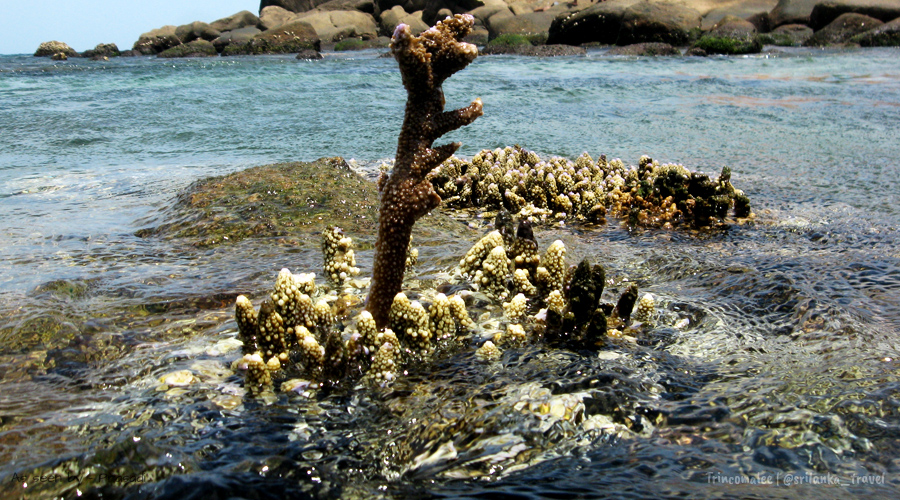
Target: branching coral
(406, 194)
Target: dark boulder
(367, 6)
(156, 41)
(826, 12)
(309, 55)
(842, 29)
(598, 23)
(658, 22)
(430, 14)
(242, 19)
(644, 49)
(295, 6)
(197, 48)
(102, 50)
(886, 35)
(731, 36)
(792, 12)
(743, 9)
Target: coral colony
(299, 334)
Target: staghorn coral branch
(406, 195)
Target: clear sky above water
(25, 24)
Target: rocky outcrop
(274, 16)
(242, 19)
(239, 36)
(196, 30)
(739, 8)
(288, 39)
(367, 6)
(52, 48)
(295, 6)
(792, 12)
(842, 29)
(433, 7)
(886, 35)
(533, 24)
(337, 25)
(196, 48)
(644, 49)
(102, 50)
(829, 10)
(787, 35)
(156, 41)
(648, 21)
(598, 23)
(396, 15)
(731, 36)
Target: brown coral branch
(425, 62)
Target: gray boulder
(408, 5)
(274, 16)
(644, 50)
(396, 15)
(731, 36)
(242, 19)
(290, 38)
(156, 41)
(336, 25)
(490, 7)
(196, 48)
(600, 23)
(534, 25)
(196, 30)
(826, 12)
(648, 21)
(239, 36)
(740, 8)
(842, 29)
(52, 48)
(792, 12)
(787, 35)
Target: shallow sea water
(783, 378)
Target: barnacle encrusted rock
(649, 194)
(406, 194)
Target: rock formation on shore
(292, 26)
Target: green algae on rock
(280, 200)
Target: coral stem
(425, 62)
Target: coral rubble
(650, 194)
(406, 194)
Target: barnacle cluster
(650, 194)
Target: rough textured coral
(649, 194)
(645, 308)
(406, 195)
(514, 310)
(337, 251)
(488, 351)
(384, 365)
(494, 270)
(259, 373)
(410, 321)
(554, 261)
(442, 321)
(245, 315)
(273, 338)
(460, 314)
(472, 261)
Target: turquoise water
(796, 316)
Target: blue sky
(25, 24)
